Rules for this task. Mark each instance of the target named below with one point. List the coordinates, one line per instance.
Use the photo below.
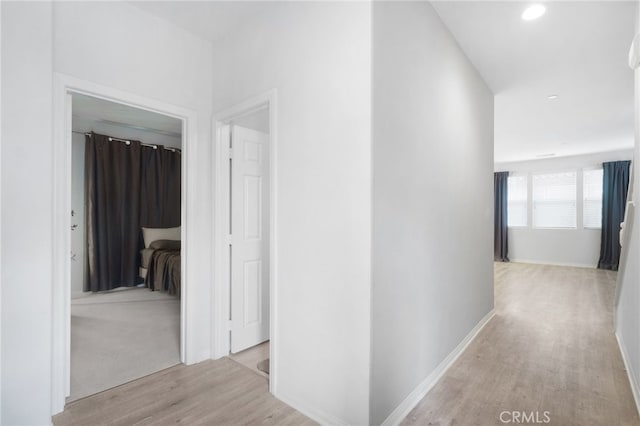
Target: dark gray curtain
(112, 196)
(500, 240)
(160, 189)
(126, 187)
(615, 185)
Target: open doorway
(65, 87)
(125, 276)
(245, 262)
(249, 239)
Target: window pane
(554, 200)
(592, 198)
(517, 201)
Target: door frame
(63, 87)
(221, 324)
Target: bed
(160, 260)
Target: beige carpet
(121, 336)
(549, 349)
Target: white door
(249, 238)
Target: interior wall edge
(631, 374)
(313, 413)
(414, 398)
(424, 151)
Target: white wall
(574, 247)
(432, 202)
(628, 303)
(318, 57)
(27, 210)
(116, 45)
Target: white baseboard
(635, 389)
(425, 386)
(314, 414)
(543, 262)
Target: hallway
(549, 348)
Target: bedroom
(125, 244)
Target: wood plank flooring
(252, 356)
(220, 392)
(550, 347)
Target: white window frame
(578, 197)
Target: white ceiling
(577, 50)
(111, 113)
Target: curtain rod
(128, 142)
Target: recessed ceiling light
(533, 12)
(551, 154)
(552, 97)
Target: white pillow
(154, 234)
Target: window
(554, 200)
(592, 198)
(517, 201)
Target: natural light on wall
(554, 200)
(592, 196)
(517, 201)
(533, 12)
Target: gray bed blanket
(164, 271)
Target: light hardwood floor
(550, 347)
(252, 356)
(220, 392)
